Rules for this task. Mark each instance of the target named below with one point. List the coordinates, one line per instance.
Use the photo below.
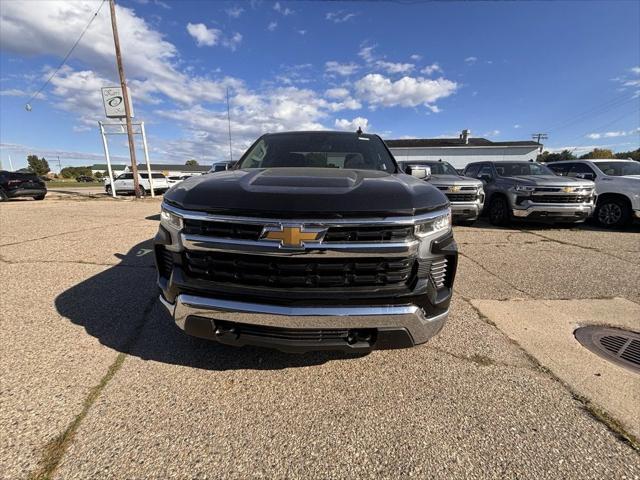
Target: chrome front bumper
(467, 210)
(555, 210)
(411, 318)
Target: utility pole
(125, 95)
(229, 123)
(59, 165)
(539, 136)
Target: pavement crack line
(21, 242)
(483, 268)
(54, 450)
(71, 262)
(577, 245)
(595, 412)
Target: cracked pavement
(98, 383)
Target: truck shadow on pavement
(120, 308)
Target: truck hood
(447, 180)
(290, 192)
(551, 181)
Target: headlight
(170, 220)
(524, 188)
(438, 224)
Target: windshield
(514, 169)
(619, 169)
(437, 168)
(319, 150)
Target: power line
(539, 136)
(66, 57)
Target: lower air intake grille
(165, 261)
(439, 272)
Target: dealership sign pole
(106, 155)
(125, 99)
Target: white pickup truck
(124, 183)
(617, 187)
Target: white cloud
(636, 70)
(516, 126)
(471, 60)
(406, 92)
(613, 134)
(234, 12)
(209, 37)
(353, 125)
(415, 57)
(283, 10)
(392, 67)
(337, 93)
(429, 69)
(272, 26)
(366, 53)
(302, 32)
(17, 92)
(491, 133)
(203, 35)
(339, 16)
(344, 69)
(233, 41)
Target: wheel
(141, 191)
(499, 211)
(612, 213)
(3, 196)
(39, 197)
(108, 188)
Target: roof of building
(456, 142)
(156, 166)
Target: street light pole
(125, 95)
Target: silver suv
(465, 194)
(531, 191)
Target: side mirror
(586, 176)
(420, 171)
(485, 178)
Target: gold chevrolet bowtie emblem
(454, 189)
(567, 189)
(292, 236)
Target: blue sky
(502, 69)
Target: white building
(463, 150)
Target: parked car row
(569, 191)
(18, 184)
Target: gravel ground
(88, 350)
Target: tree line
(593, 154)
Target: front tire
(108, 189)
(141, 191)
(3, 196)
(39, 197)
(612, 213)
(499, 212)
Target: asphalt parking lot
(98, 383)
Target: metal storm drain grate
(618, 346)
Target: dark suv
(17, 184)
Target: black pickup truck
(312, 241)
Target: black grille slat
(222, 229)
(461, 197)
(368, 234)
(560, 198)
(287, 272)
(613, 343)
(632, 352)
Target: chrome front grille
(560, 198)
(462, 197)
